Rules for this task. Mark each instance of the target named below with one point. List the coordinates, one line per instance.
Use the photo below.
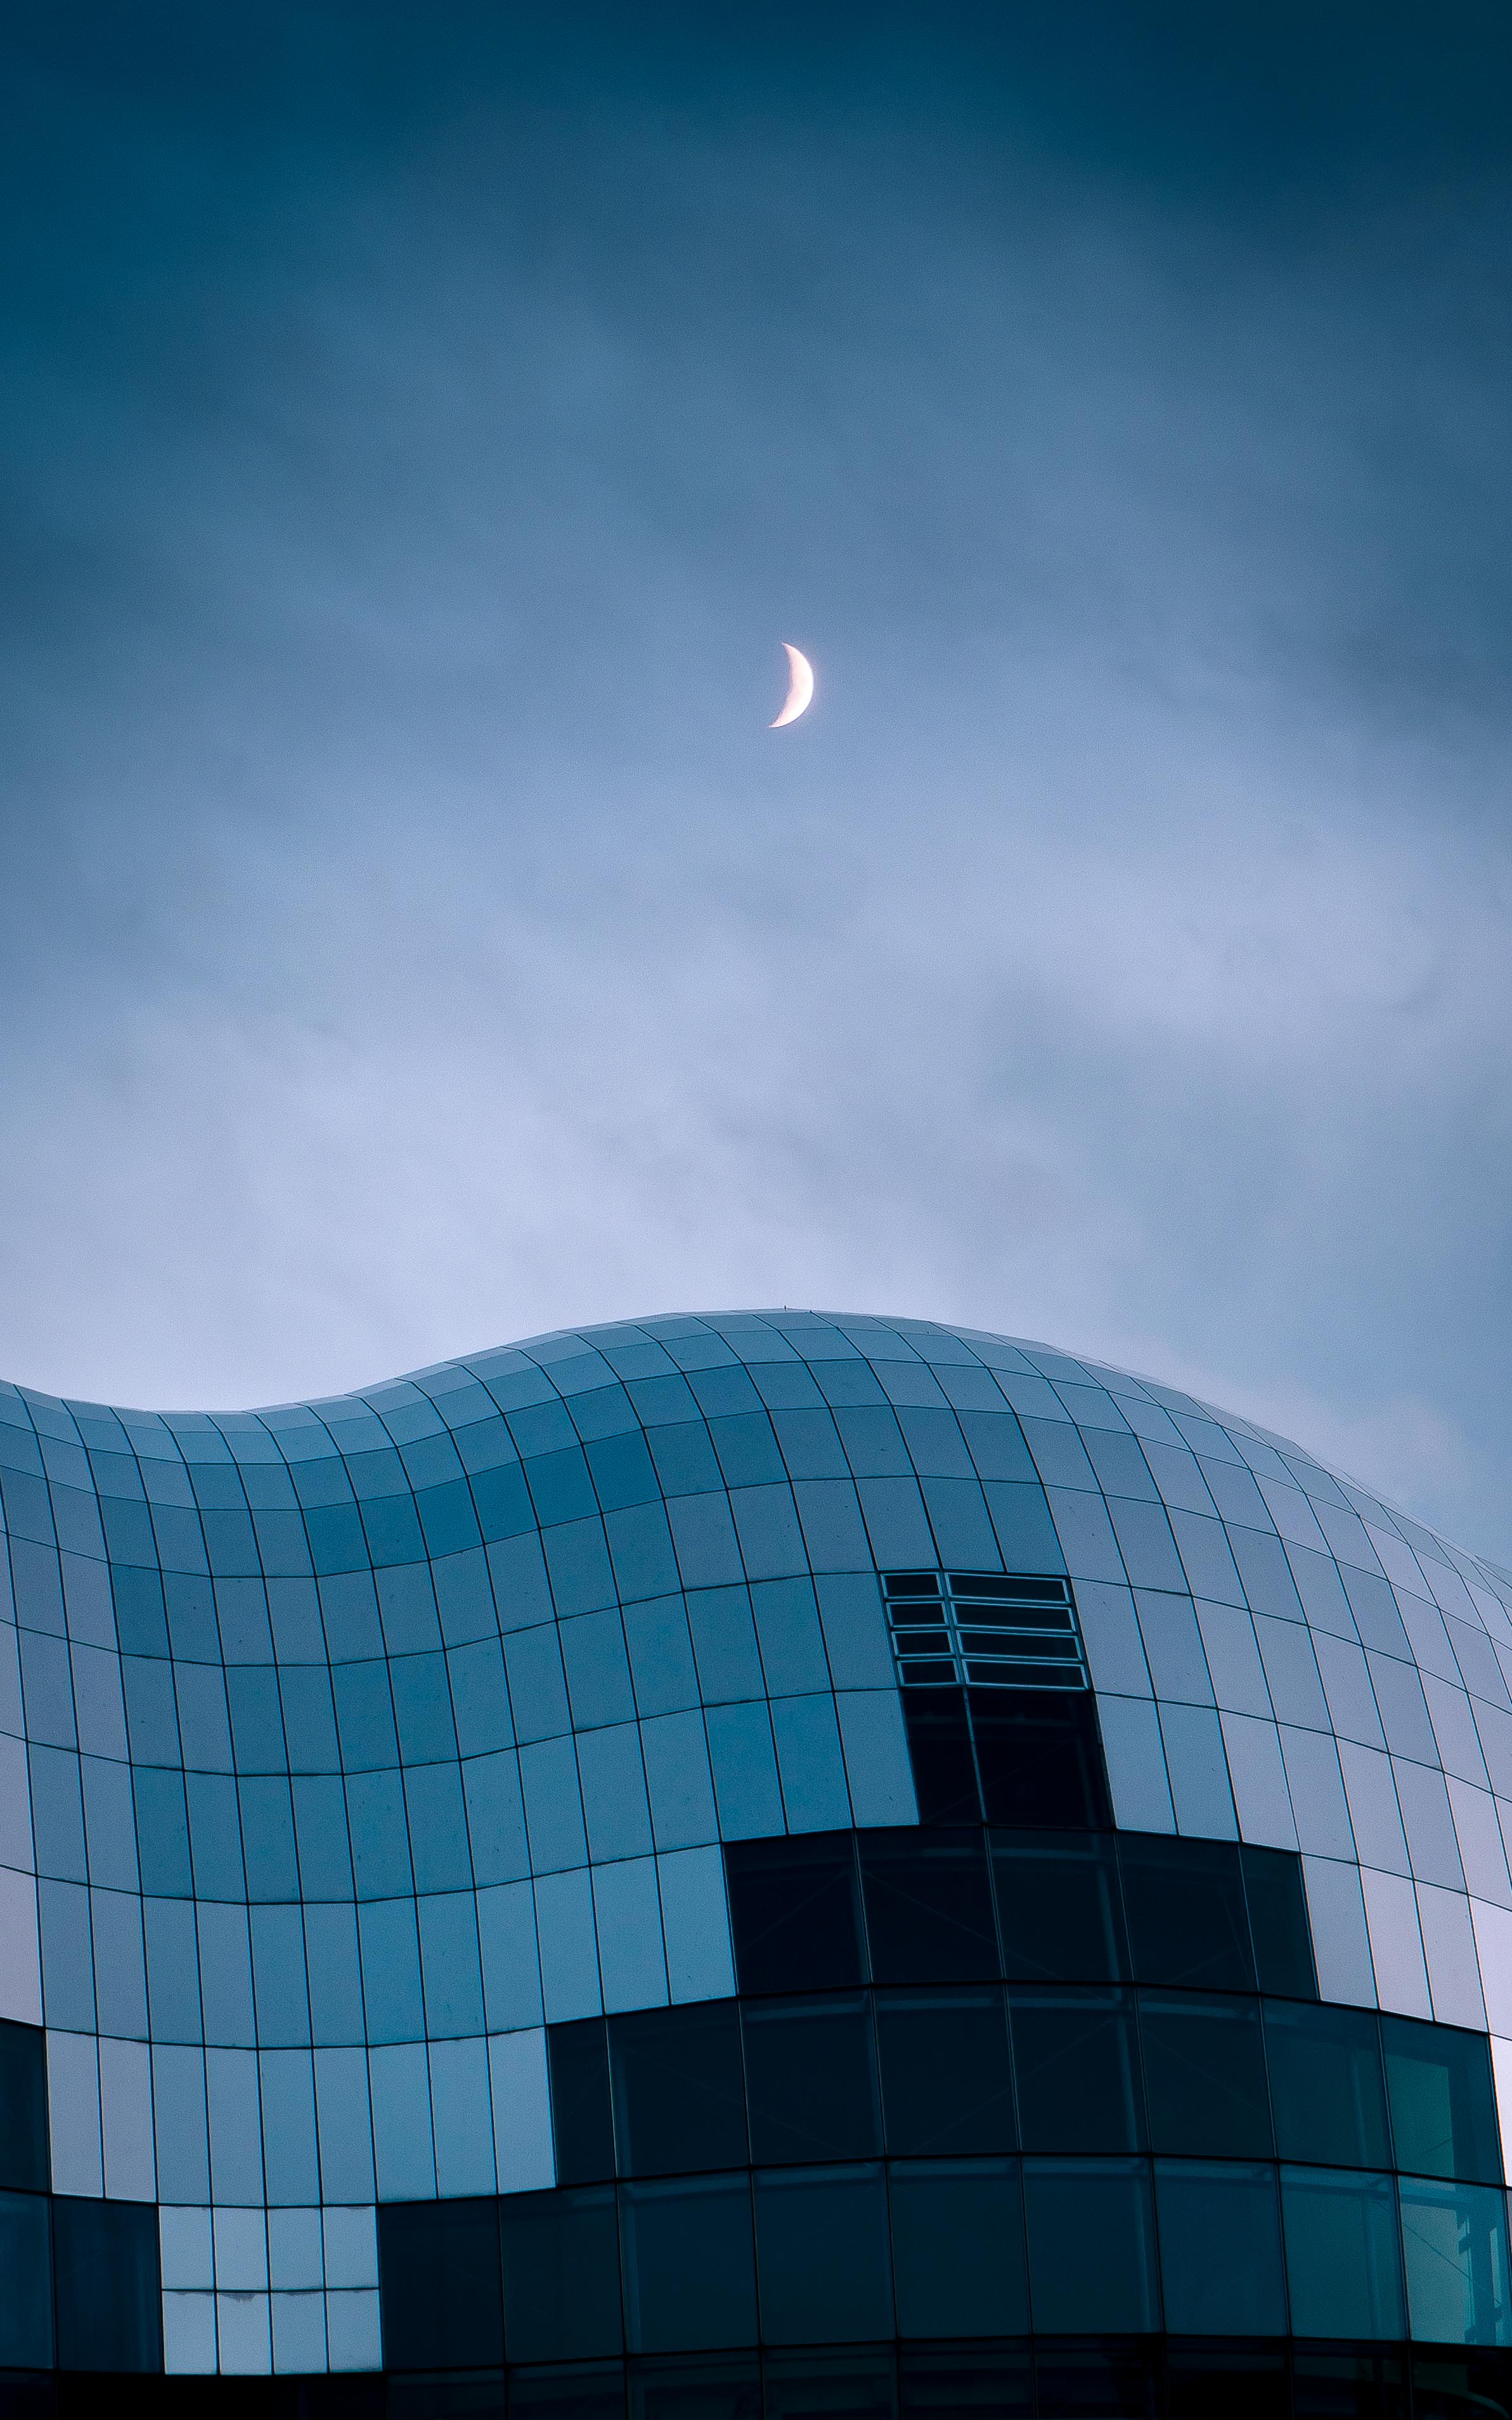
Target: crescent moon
(800, 688)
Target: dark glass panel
(978, 2383)
(679, 2089)
(477, 2397)
(1058, 1907)
(725, 2388)
(25, 2264)
(442, 2302)
(1205, 2076)
(1327, 2089)
(581, 2116)
(1092, 2235)
(811, 2080)
(1351, 2386)
(1279, 1931)
(957, 2248)
(1076, 2066)
(946, 2082)
(1442, 2106)
(929, 1911)
(561, 2274)
(105, 2285)
(1039, 1756)
(1185, 1905)
(1474, 2387)
(1226, 2382)
(1098, 2382)
(1343, 2261)
(1454, 2247)
(939, 1749)
(856, 2384)
(23, 2108)
(822, 2256)
(586, 2391)
(794, 1912)
(1220, 2249)
(690, 2265)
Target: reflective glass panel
(1091, 2236)
(946, 2085)
(561, 2274)
(822, 2256)
(811, 2080)
(679, 2089)
(690, 2265)
(581, 2114)
(25, 2264)
(1185, 1904)
(1220, 2249)
(794, 1912)
(957, 2248)
(1327, 2088)
(1203, 2075)
(1343, 2261)
(1454, 2243)
(441, 2304)
(1442, 2107)
(929, 1911)
(1059, 1908)
(1076, 2067)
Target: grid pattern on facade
(989, 1631)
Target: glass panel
(946, 2085)
(1343, 2265)
(581, 2119)
(1226, 2382)
(929, 1912)
(696, 2390)
(957, 2248)
(1098, 2382)
(480, 2396)
(939, 1749)
(438, 2266)
(23, 2108)
(1454, 2243)
(690, 2265)
(1039, 1756)
(1091, 2238)
(1059, 1908)
(561, 2274)
(1205, 2076)
(794, 1914)
(1442, 2107)
(1220, 2249)
(1186, 1906)
(856, 2384)
(811, 2080)
(822, 2256)
(1474, 2387)
(586, 2392)
(1279, 1931)
(1077, 2070)
(1326, 2086)
(1351, 2386)
(993, 2382)
(25, 2264)
(679, 2089)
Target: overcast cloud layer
(418, 439)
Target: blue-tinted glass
(561, 2274)
(1279, 1931)
(944, 2382)
(929, 1911)
(690, 2265)
(822, 2256)
(1326, 2086)
(947, 2082)
(1039, 1756)
(582, 2111)
(1454, 2245)
(1187, 1918)
(1343, 2258)
(679, 2089)
(23, 2108)
(1076, 2066)
(811, 2080)
(794, 1912)
(1442, 2107)
(1091, 2238)
(943, 1758)
(105, 2280)
(1059, 1908)
(1220, 2249)
(25, 2264)
(439, 2274)
(1203, 2075)
(957, 2248)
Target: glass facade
(776, 1860)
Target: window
(794, 1914)
(1220, 2249)
(1078, 2074)
(946, 2085)
(811, 2080)
(679, 2089)
(442, 2302)
(957, 2248)
(1454, 2243)
(23, 2108)
(1443, 2108)
(581, 2114)
(1058, 1907)
(690, 2265)
(561, 2274)
(983, 1630)
(1326, 2086)
(1343, 2262)
(1092, 2239)
(1187, 1918)
(822, 2256)
(929, 1909)
(25, 2264)
(1203, 2075)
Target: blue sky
(421, 429)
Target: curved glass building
(764, 1864)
